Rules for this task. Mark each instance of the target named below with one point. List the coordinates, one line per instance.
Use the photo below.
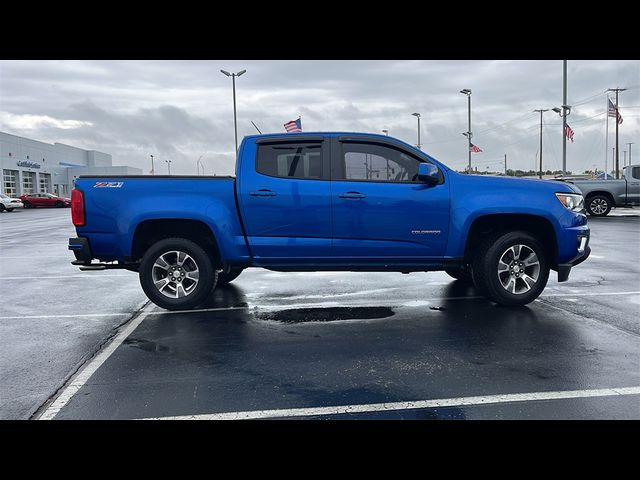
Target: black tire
(226, 278)
(460, 273)
(599, 205)
(27, 205)
(59, 204)
(206, 279)
(490, 282)
(1, 208)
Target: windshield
(2, 195)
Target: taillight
(77, 207)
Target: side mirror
(428, 173)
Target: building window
(9, 180)
(28, 181)
(45, 183)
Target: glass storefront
(28, 182)
(45, 183)
(10, 181)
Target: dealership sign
(24, 163)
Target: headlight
(572, 201)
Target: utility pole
(630, 143)
(505, 164)
(418, 115)
(617, 90)
(541, 112)
(153, 172)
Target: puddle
(146, 345)
(302, 315)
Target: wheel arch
(149, 232)
(538, 226)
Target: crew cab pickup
(329, 202)
(602, 195)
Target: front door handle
(354, 195)
(263, 193)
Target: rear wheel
(599, 205)
(511, 269)
(177, 274)
(225, 278)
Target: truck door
(632, 174)
(285, 198)
(381, 211)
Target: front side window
(635, 173)
(291, 161)
(377, 163)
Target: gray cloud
(180, 110)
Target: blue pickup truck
(330, 202)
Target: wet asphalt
(273, 341)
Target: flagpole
(606, 139)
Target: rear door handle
(263, 193)
(354, 195)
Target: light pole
(153, 172)
(630, 143)
(235, 119)
(386, 132)
(418, 116)
(468, 134)
(169, 165)
(198, 163)
(563, 111)
(541, 112)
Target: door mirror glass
(428, 173)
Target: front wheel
(9, 209)
(598, 206)
(28, 205)
(2, 208)
(177, 274)
(511, 269)
(59, 204)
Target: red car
(33, 200)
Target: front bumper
(584, 250)
(81, 249)
(14, 205)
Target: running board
(102, 266)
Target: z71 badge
(108, 184)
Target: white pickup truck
(600, 196)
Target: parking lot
(88, 345)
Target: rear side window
(291, 161)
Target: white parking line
(64, 276)
(412, 405)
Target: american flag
(568, 132)
(475, 149)
(613, 112)
(293, 126)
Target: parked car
(602, 195)
(7, 203)
(33, 200)
(329, 202)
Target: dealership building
(29, 166)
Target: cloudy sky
(181, 110)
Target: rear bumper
(81, 249)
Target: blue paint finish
(323, 223)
